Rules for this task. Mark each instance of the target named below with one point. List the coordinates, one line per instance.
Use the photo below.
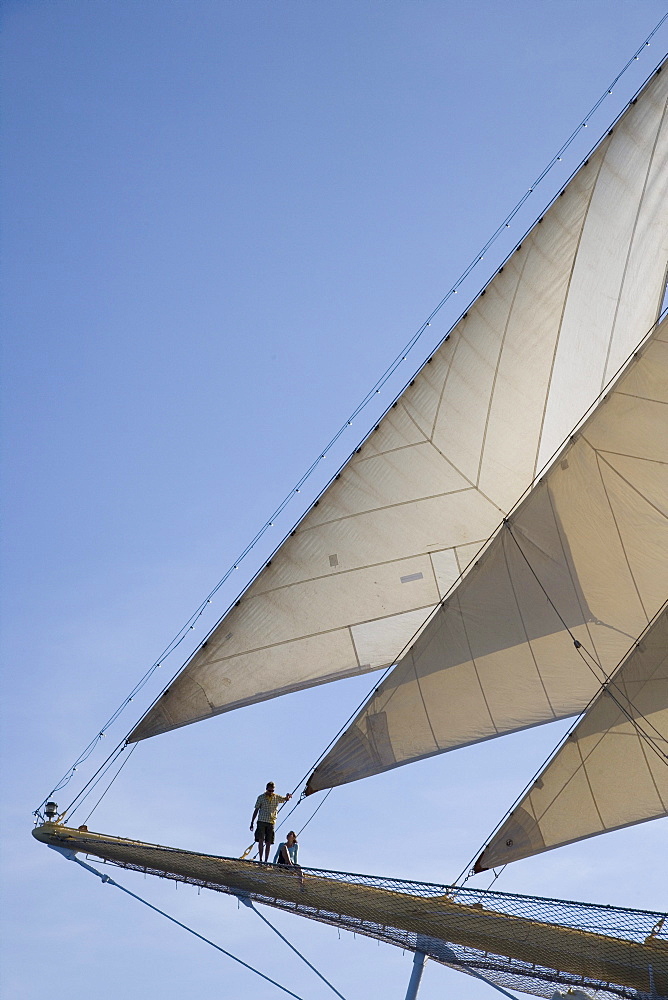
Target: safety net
(524, 943)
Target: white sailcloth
(610, 772)
(571, 578)
(368, 564)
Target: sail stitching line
(581, 768)
(474, 663)
(424, 706)
(382, 453)
(408, 407)
(388, 506)
(564, 304)
(633, 234)
(328, 631)
(467, 478)
(600, 455)
(647, 399)
(459, 336)
(498, 365)
(651, 773)
(179, 638)
(526, 633)
(576, 590)
(634, 719)
(599, 463)
(651, 739)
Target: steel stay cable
(249, 903)
(190, 624)
(108, 786)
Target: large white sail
(368, 564)
(610, 772)
(571, 578)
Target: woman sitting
(287, 854)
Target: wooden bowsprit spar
(521, 942)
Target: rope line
(320, 805)
(373, 392)
(108, 786)
(249, 903)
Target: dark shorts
(264, 833)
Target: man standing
(266, 808)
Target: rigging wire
(375, 390)
(108, 786)
(320, 805)
(249, 903)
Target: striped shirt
(267, 806)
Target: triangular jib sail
(569, 581)
(367, 565)
(612, 770)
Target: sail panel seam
(567, 293)
(632, 240)
(498, 362)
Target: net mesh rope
(519, 942)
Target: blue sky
(221, 222)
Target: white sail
(612, 770)
(368, 564)
(573, 576)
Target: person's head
(291, 838)
(270, 788)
